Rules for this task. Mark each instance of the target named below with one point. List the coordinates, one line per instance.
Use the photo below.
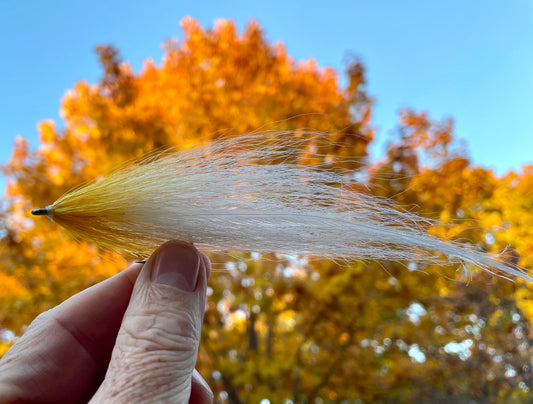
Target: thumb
(155, 352)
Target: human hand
(132, 338)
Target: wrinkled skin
(132, 338)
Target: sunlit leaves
(284, 328)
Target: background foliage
(285, 328)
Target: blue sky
(469, 60)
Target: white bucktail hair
(253, 193)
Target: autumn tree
(215, 82)
(290, 329)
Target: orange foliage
(285, 329)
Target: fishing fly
(253, 192)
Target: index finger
(64, 353)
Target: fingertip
(132, 272)
(200, 391)
(177, 264)
(175, 257)
(207, 265)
